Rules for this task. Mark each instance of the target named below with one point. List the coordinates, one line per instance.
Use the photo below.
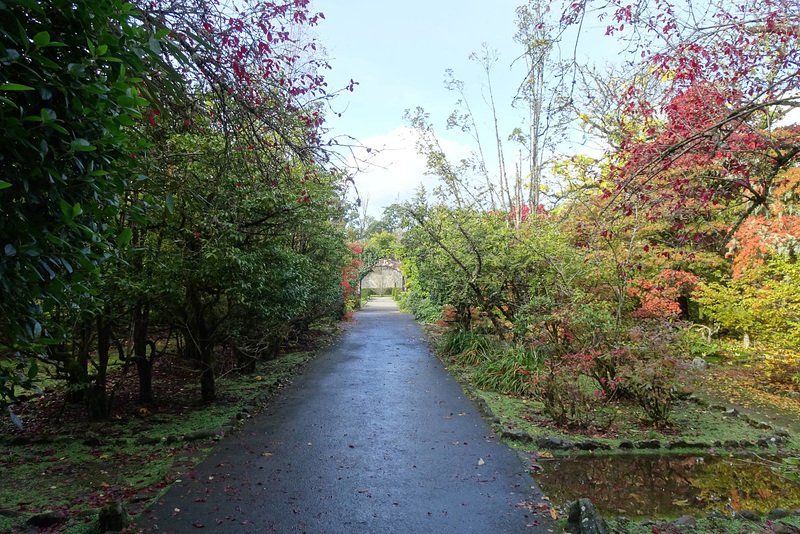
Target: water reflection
(667, 486)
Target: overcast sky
(398, 53)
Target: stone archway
(384, 275)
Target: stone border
(583, 518)
(779, 439)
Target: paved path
(374, 436)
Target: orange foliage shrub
(658, 297)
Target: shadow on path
(374, 436)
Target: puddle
(667, 486)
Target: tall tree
(94, 100)
(727, 73)
(541, 93)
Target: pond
(667, 486)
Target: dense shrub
(653, 380)
(423, 307)
(782, 368)
(402, 301)
(565, 387)
(650, 368)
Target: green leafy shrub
(790, 468)
(567, 327)
(423, 307)
(427, 311)
(763, 302)
(694, 342)
(402, 301)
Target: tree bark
(144, 365)
(199, 343)
(98, 403)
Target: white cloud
(791, 118)
(391, 170)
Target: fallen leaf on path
(480, 461)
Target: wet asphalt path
(374, 436)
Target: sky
(398, 53)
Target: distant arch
(385, 274)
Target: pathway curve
(374, 436)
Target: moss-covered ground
(62, 463)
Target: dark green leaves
(41, 39)
(15, 87)
(82, 145)
(124, 238)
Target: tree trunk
(208, 379)
(463, 316)
(245, 362)
(144, 365)
(98, 403)
(199, 343)
(683, 303)
(77, 363)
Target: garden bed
(715, 457)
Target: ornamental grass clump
(457, 343)
(508, 370)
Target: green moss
(81, 527)
(8, 523)
(65, 474)
(704, 526)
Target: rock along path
(374, 436)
